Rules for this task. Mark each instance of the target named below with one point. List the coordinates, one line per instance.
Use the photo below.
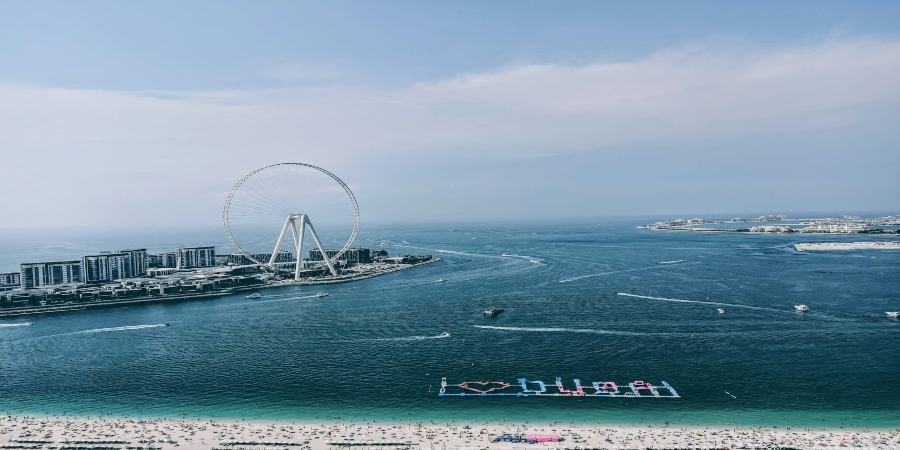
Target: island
(123, 277)
(784, 224)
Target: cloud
(94, 156)
(694, 89)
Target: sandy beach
(826, 246)
(20, 432)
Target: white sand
(889, 245)
(30, 432)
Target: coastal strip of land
(58, 433)
(825, 246)
(357, 276)
(75, 306)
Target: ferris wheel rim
(343, 185)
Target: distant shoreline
(831, 246)
(781, 224)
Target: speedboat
(721, 311)
(801, 308)
(493, 310)
(445, 334)
(254, 295)
(322, 294)
(166, 324)
(893, 314)
(441, 280)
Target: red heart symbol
(499, 386)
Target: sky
(117, 113)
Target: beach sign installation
(523, 387)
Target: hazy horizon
(506, 222)
(50, 244)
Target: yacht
(254, 295)
(321, 294)
(721, 311)
(492, 311)
(801, 308)
(893, 314)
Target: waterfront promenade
(167, 434)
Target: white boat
(893, 314)
(254, 295)
(322, 294)
(801, 308)
(721, 311)
(445, 334)
(441, 280)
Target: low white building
(770, 229)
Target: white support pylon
(297, 239)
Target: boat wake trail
(131, 327)
(499, 236)
(10, 325)
(412, 338)
(453, 252)
(678, 300)
(567, 330)
(607, 273)
(271, 298)
(529, 258)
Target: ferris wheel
(268, 212)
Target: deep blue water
(372, 350)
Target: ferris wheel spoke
(312, 199)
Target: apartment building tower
(193, 257)
(50, 273)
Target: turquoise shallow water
(372, 349)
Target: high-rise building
(50, 273)
(169, 259)
(106, 267)
(10, 280)
(138, 261)
(191, 257)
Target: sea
(595, 300)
